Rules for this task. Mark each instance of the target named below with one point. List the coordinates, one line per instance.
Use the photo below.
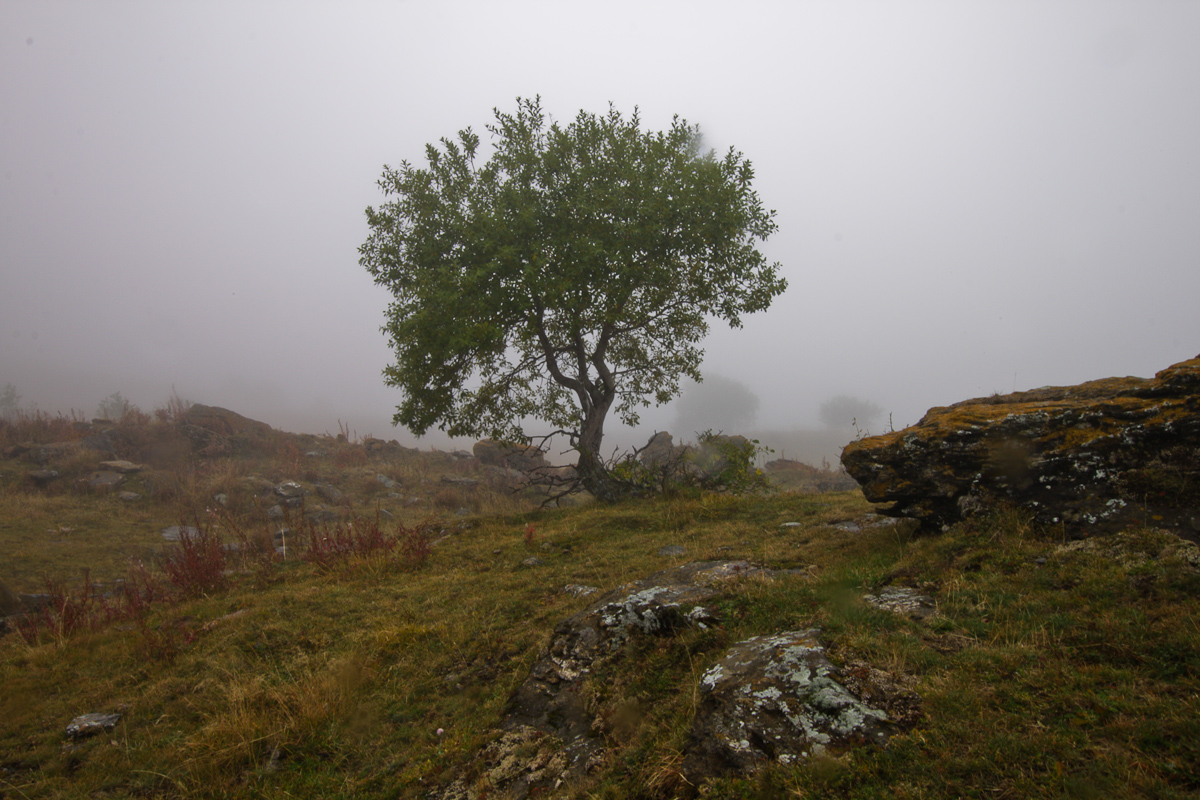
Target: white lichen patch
(782, 689)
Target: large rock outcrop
(1098, 456)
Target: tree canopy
(573, 272)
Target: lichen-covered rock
(1101, 455)
(90, 724)
(548, 712)
(776, 698)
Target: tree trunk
(590, 468)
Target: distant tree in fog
(718, 404)
(113, 407)
(844, 410)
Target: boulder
(550, 702)
(213, 430)
(43, 477)
(514, 456)
(10, 604)
(660, 451)
(1095, 457)
(776, 698)
(222, 421)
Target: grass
(1047, 672)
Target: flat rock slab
(176, 532)
(903, 600)
(123, 467)
(105, 481)
(776, 698)
(43, 477)
(91, 724)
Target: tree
(837, 412)
(571, 274)
(114, 407)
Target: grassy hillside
(1050, 669)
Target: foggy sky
(972, 197)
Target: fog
(971, 197)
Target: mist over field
(971, 198)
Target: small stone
(792, 525)
(91, 724)
(671, 550)
(576, 590)
(176, 532)
(129, 497)
(275, 512)
(221, 499)
(533, 561)
(387, 482)
(105, 480)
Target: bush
(196, 566)
(358, 541)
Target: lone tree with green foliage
(570, 274)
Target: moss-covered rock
(1098, 456)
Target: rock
(1136, 550)
(465, 483)
(43, 477)
(104, 481)
(275, 512)
(513, 456)
(660, 450)
(129, 497)
(224, 422)
(712, 456)
(549, 700)
(776, 698)
(101, 443)
(289, 490)
(176, 532)
(1099, 456)
(9, 602)
(378, 447)
(221, 499)
(91, 724)
(671, 550)
(260, 485)
(576, 590)
(330, 494)
(387, 482)
(903, 600)
(533, 561)
(215, 431)
(34, 603)
(123, 467)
